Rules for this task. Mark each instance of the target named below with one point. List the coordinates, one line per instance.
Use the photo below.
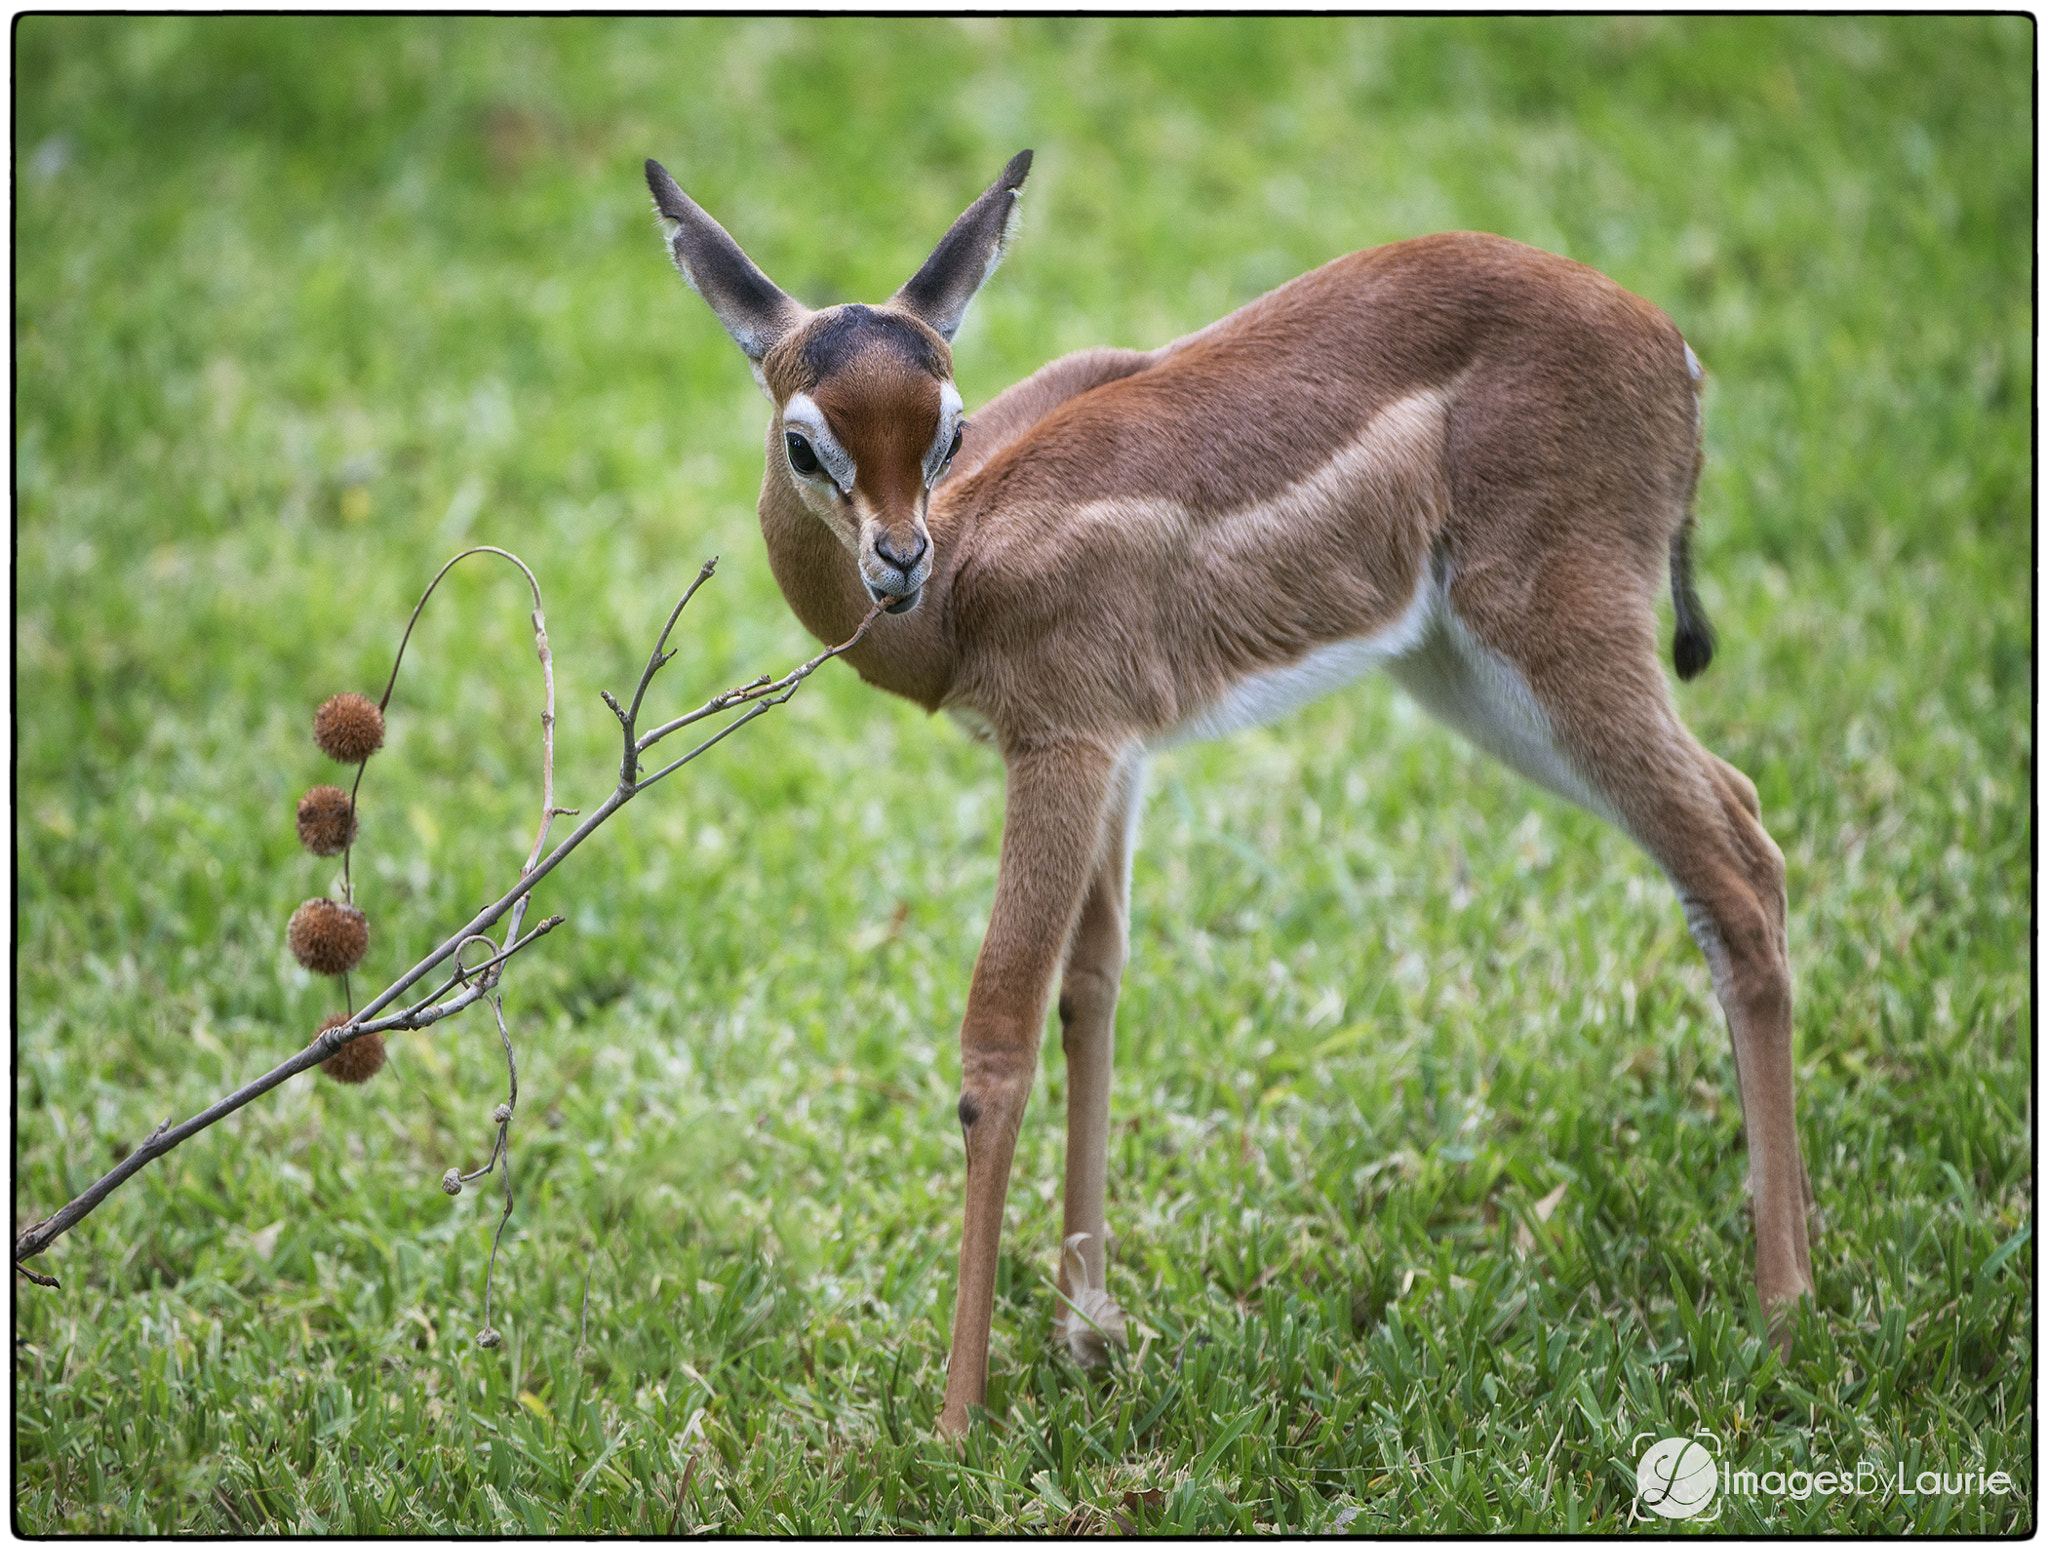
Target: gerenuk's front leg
(1089, 1321)
(1052, 831)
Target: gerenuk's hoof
(1090, 1322)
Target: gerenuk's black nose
(903, 553)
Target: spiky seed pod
(349, 727)
(357, 1062)
(327, 821)
(327, 937)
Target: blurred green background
(302, 306)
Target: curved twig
(480, 549)
(547, 720)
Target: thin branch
(774, 691)
(731, 727)
(481, 549)
(548, 811)
(390, 684)
(759, 698)
(763, 694)
(348, 847)
(462, 975)
(500, 1150)
(629, 765)
(37, 1237)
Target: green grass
(302, 306)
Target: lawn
(302, 307)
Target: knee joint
(986, 1101)
(1086, 991)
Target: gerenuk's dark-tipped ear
(968, 254)
(754, 310)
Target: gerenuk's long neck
(906, 654)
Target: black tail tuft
(1692, 643)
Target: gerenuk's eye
(801, 458)
(954, 451)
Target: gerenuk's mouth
(898, 603)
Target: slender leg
(1743, 791)
(1698, 817)
(1587, 650)
(1052, 827)
(1089, 1321)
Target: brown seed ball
(357, 1062)
(349, 727)
(327, 821)
(328, 937)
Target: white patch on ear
(1012, 222)
(671, 229)
(1692, 364)
(752, 343)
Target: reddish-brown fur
(1127, 539)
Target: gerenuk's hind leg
(1592, 718)
(1698, 817)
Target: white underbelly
(1468, 686)
(1433, 656)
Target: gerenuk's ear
(754, 310)
(967, 255)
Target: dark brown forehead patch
(836, 339)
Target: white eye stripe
(802, 416)
(949, 427)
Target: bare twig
(548, 811)
(481, 549)
(771, 691)
(758, 697)
(465, 977)
(348, 857)
(390, 684)
(38, 1236)
(629, 766)
(501, 1150)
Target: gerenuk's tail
(1692, 642)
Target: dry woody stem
(468, 985)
